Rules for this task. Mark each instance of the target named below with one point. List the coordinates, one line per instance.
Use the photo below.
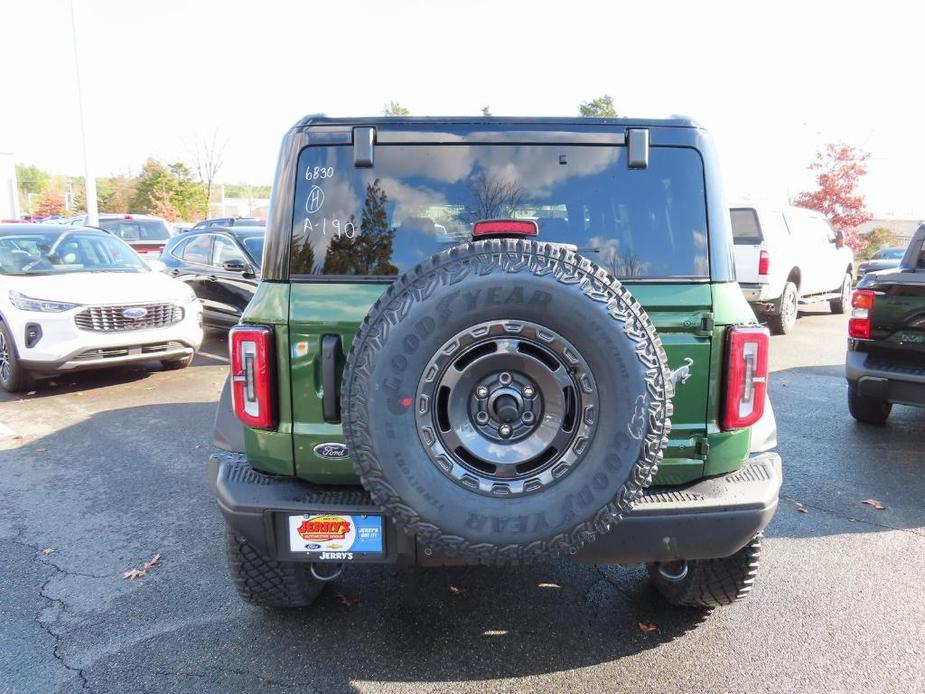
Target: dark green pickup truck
(886, 338)
(496, 341)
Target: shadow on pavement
(127, 497)
(213, 352)
(832, 463)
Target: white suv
(786, 257)
(77, 298)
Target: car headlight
(27, 303)
(188, 297)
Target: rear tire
(708, 583)
(867, 410)
(265, 582)
(840, 306)
(785, 320)
(13, 377)
(173, 364)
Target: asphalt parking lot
(102, 471)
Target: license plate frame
(325, 536)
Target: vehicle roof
(127, 215)
(770, 207)
(55, 229)
(671, 122)
(233, 220)
(233, 231)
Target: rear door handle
(332, 356)
(174, 273)
(212, 278)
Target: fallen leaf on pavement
(800, 507)
(876, 504)
(455, 591)
(132, 574)
(31, 392)
(41, 450)
(347, 602)
(48, 550)
(647, 628)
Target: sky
(772, 81)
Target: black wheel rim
(6, 368)
(506, 408)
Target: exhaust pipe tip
(338, 569)
(674, 571)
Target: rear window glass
(745, 227)
(420, 199)
(254, 247)
(136, 229)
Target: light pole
(93, 215)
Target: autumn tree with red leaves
(839, 168)
(49, 204)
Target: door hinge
(702, 447)
(706, 325)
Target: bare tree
(492, 197)
(208, 158)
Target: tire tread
(713, 582)
(505, 256)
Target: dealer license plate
(335, 537)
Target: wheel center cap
(507, 408)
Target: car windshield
(136, 229)
(420, 199)
(889, 254)
(36, 253)
(254, 247)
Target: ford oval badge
(331, 451)
(134, 312)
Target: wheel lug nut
(505, 378)
(481, 417)
(504, 430)
(482, 392)
(528, 392)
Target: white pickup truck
(786, 257)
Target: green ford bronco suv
(496, 341)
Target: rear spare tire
(506, 401)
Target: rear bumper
(893, 383)
(755, 292)
(709, 519)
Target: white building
(9, 193)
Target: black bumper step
(711, 518)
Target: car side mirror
(839, 239)
(235, 265)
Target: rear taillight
(764, 263)
(746, 376)
(862, 301)
(496, 227)
(251, 353)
